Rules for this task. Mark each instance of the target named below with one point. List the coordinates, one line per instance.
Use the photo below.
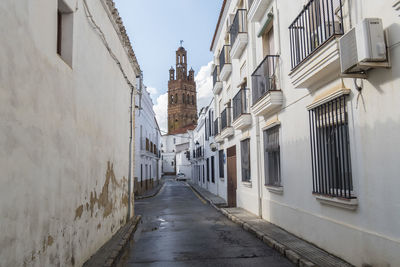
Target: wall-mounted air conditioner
(363, 47)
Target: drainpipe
(130, 156)
(260, 185)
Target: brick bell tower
(182, 100)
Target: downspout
(260, 185)
(130, 157)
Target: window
(272, 157)
(174, 141)
(221, 163)
(208, 170)
(212, 170)
(245, 156)
(183, 98)
(203, 174)
(330, 149)
(141, 174)
(64, 38)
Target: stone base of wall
(140, 187)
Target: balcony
(241, 113)
(226, 128)
(217, 84)
(217, 132)
(257, 9)
(266, 94)
(225, 63)
(238, 32)
(147, 148)
(314, 51)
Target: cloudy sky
(155, 28)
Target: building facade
(174, 150)
(182, 99)
(147, 143)
(304, 140)
(67, 88)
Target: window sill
(350, 204)
(247, 184)
(221, 179)
(275, 189)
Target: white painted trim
(350, 204)
(322, 100)
(275, 189)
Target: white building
(174, 150)
(67, 81)
(147, 143)
(314, 149)
(206, 160)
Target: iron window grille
(272, 157)
(240, 104)
(215, 75)
(239, 24)
(225, 57)
(317, 23)
(264, 78)
(245, 157)
(330, 149)
(221, 163)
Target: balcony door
(232, 178)
(268, 41)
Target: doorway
(232, 179)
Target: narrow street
(181, 229)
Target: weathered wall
(64, 136)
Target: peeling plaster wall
(64, 136)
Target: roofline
(218, 23)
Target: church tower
(182, 100)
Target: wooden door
(232, 179)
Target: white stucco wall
(370, 234)
(64, 136)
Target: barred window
(245, 156)
(272, 157)
(330, 149)
(221, 163)
(212, 169)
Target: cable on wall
(102, 36)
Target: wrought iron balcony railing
(216, 127)
(240, 103)
(225, 118)
(225, 57)
(239, 24)
(264, 78)
(317, 23)
(216, 75)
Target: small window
(245, 157)
(272, 157)
(208, 170)
(212, 170)
(330, 149)
(64, 38)
(221, 163)
(203, 174)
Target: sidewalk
(214, 200)
(152, 192)
(295, 249)
(110, 253)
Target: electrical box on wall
(363, 47)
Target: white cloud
(161, 110)
(152, 91)
(204, 85)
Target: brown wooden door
(232, 181)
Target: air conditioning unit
(363, 46)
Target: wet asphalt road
(180, 229)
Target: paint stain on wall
(50, 240)
(78, 212)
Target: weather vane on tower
(181, 43)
